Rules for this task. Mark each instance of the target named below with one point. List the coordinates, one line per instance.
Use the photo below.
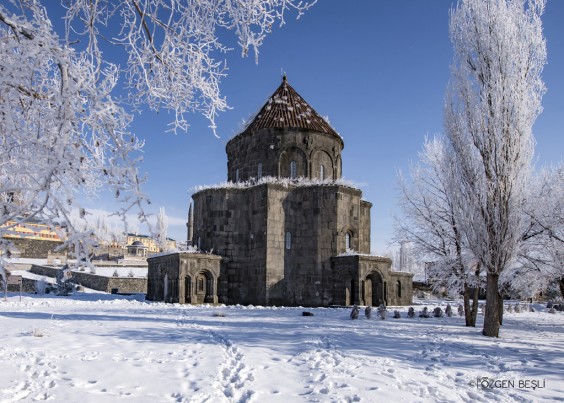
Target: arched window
(237, 175)
(348, 237)
(259, 170)
(288, 240)
(322, 172)
(399, 288)
(293, 169)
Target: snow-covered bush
(368, 312)
(397, 314)
(411, 312)
(438, 312)
(448, 310)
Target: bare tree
(431, 225)
(65, 106)
(493, 100)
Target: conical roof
(287, 109)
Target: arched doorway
(204, 288)
(376, 294)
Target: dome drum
(270, 152)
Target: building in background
(30, 228)
(151, 245)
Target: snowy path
(75, 349)
(233, 378)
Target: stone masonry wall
(248, 228)
(369, 280)
(95, 282)
(182, 271)
(308, 215)
(232, 223)
(159, 267)
(350, 218)
(275, 148)
(34, 248)
(28, 287)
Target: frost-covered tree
(542, 255)
(405, 258)
(430, 224)
(162, 229)
(493, 99)
(66, 105)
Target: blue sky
(377, 69)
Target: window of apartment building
(288, 240)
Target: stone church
(285, 229)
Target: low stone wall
(34, 248)
(44, 270)
(96, 282)
(28, 286)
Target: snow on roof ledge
(352, 252)
(190, 250)
(286, 182)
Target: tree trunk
(470, 311)
(500, 307)
(475, 293)
(561, 283)
(467, 305)
(492, 316)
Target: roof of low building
(138, 243)
(287, 109)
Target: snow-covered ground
(105, 348)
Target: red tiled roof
(287, 109)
